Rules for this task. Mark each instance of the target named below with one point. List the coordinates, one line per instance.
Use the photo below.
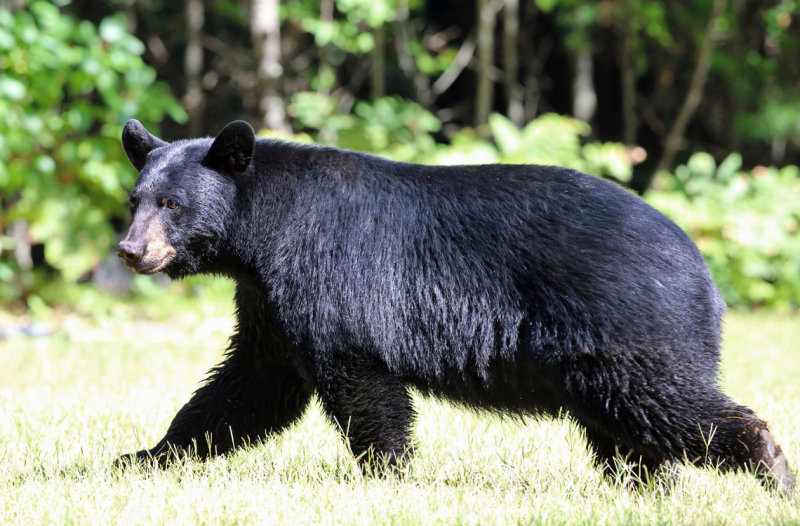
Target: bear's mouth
(154, 260)
(148, 268)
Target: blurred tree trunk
(12, 5)
(484, 91)
(377, 70)
(627, 70)
(193, 99)
(326, 75)
(533, 63)
(694, 95)
(405, 59)
(129, 8)
(738, 82)
(584, 96)
(516, 112)
(266, 34)
(18, 231)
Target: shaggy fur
(526, 289)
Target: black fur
(527, 289)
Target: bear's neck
(263, 206)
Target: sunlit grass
(108, 384)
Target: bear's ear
(232, 150)
(138, 143)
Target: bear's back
(442, 269)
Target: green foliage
(373, 13)
(390, 126)
(549, 139)
(347, 32)
(777, 119)
(66, 89)
(745, 224)
(402, 130)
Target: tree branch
(675, 137)
(461, 60)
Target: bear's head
(184, 198)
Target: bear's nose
(130, 252)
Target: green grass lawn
(109, 380)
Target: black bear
(523, 289)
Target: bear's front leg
(370, 405)
(239, 404)
(256, 391)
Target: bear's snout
(146, 257)
(130, 252)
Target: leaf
(7, 40)
(11, 89)
(506, 135)
(729, 167)
(113, 28)
(702, 165)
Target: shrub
(66, 89)
(745, 224)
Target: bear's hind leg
(371, 407)
(704, 427)
(740, 440)
(651, 418)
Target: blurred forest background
(694, 104)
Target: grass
(112, 374)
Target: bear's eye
(171, 204)
(133, 203)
